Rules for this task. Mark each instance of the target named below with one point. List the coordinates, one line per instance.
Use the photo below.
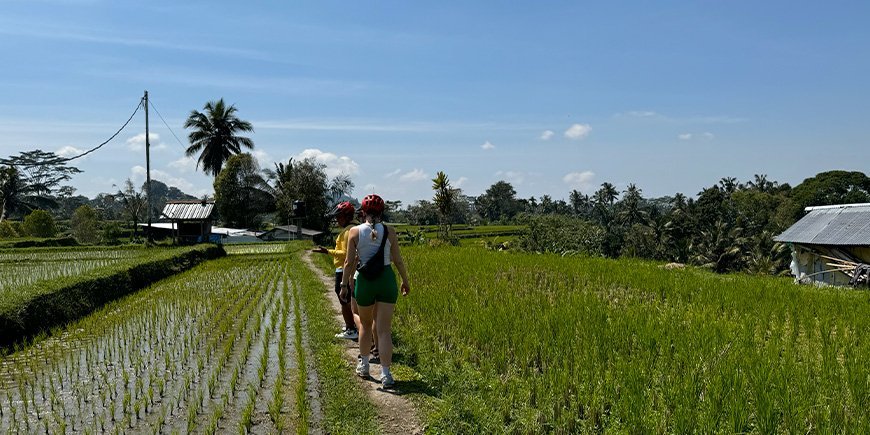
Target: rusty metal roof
(846, 225)
(188, 210)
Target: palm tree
(215, 135)
(631, 212)
(444, 199)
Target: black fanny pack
(373, 268)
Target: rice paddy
(490, 342)
(212, 350)
(516, 343)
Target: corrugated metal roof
(846, 225)
(188, 210)
(305, 231)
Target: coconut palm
(215, 135)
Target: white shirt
(367, 247)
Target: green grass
(346, 409)
(26, 272)
(524, 343)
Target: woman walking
(343, 215)
(376, 287)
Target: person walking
(371, 248)
(343, 213)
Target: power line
(67, 159)
(165, 123)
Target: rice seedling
(155, 359)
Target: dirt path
(396, 414)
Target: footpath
(396, 414)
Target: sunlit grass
(538, 343)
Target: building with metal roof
(830, 244)
(189, 221)
(289, 232)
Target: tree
(242, 195)
(340, 187)
(31, 180)
(832, 187)
(444, 198)
(631, 212)
(422, 213)
(161, 194)
(499, 202)
(215, 135)
(306, 181)
(84, 225)
(134, 204)
(10, 185)
(39, 223)
(580, 203)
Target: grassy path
(396, 414)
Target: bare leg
(385, 331)
(347, 313)
(354, 309)
(375, 327)
(365, 331)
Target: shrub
(84, 225)
(39, 223)
(562, 235)
(8, 230)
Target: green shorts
(383, 289)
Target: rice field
(23, 267)
(517, 343)
(215, 349)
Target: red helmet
(343, 209)
(373, 204)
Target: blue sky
(550, 96)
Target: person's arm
(396, 258)
(340, 246)
(350, 261)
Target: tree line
(728, 226)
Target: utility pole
(148, 166)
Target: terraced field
(215, 349)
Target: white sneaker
(362, 369)
(387, 381)
(348, 334)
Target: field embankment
(44, 288)
(524, 343)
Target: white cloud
(69, 151)
(460, 181)
(184, 164)
(701, 136)
(487, 145)
(137, 143)
(393, 173)
(415, 175)
(578, 131)
(579, 180)
(547, 134)
(264, 159)
(641, 113)
(370, 188)
(335, 165)
(514, 177)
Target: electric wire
(166, 124)
(10, 162)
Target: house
(831, 245)
(288, 232)
(189, 221)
